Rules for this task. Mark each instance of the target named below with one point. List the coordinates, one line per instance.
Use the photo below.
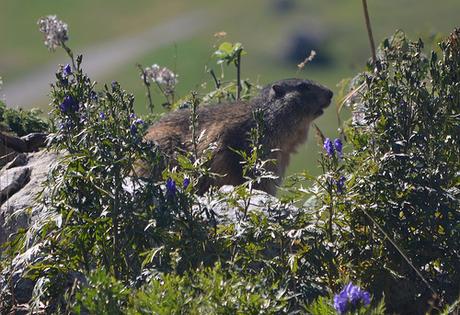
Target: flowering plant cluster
(334, 151)
(351, 298)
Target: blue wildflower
(170, 187)
(102, 116)
(133, 129)
(132, 116)
(350, 298)
(67, 70)
(115, 85)
(186, 183)
(138, 121)
(338, 147)
(329, 147)
(69, 105)
(134, 124)
(340, 184)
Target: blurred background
(115, 35)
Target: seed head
(54, 30)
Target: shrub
(20, 121)
(401, 207)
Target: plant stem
(216, 81)
(193, 124)
(369, 31)
(70, 53)
(238, 75)
(147, 85)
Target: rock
(34, 141)
(225, 213)
(30, 179)
(12, 180)
(6, 154)
(20, 160)
(15, 143)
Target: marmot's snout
(324, 99)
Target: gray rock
(260, 201)
(19, 160)
(20, 209)
(6, 154)
(34, 141)
(12, 180)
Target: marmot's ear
(276, 91)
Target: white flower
(55, 31)
(162, 76)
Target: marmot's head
(298, 97)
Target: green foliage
(384, 212)
(20, 121)
(207, 291)
(229, 53)
(103, 294)
(404, 182)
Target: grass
(262, 31)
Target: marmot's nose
(329, 94)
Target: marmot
(289, 106)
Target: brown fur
(289, 106)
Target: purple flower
(350, 298)
(329, 147)
(67, 70)
(186, 183)
(133, 129)
(69, 105)
(338, 147)
(340, 184)
(170, 187)
(132, 116)
(102, 116)
(134, 124)
(138, 121)
(115, 85)
(341, 302)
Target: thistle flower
(350, 298)
(54, 30)
(171, 187)
(69, 105)
(329, 147)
